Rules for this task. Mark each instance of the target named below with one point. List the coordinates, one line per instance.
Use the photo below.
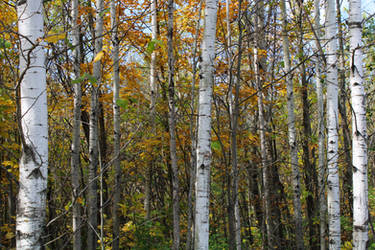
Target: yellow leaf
(128, 226)
(8, 163)
(67, 206)
(99, 56)
(53, 38)
(9, 235)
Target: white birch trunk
(292, 133)
(321, 137)
(33, 172)
(116, 126)
(202, 188)
(359, 133)
(193, 121)
(75, 158)
(259, 63)
(93, 147)
(333, 195)
(153, 87)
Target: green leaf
(5, 44)
(91, 78)
(85, 76)
(79, 79)
(216, 145)
(67, 206)
(122, 103)
(104, 12)
(151, 45)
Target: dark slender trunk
(103, 155)
(172, 131)
(255, 197)
(343, 97)
(309, 171)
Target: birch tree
(202, 188)
(347, 174)
(33, 119)
(75, 158)
(235, 113)
(310, 177)
(259, 66)
(116, 126)
(333, 195)
(193, 138)
(93, 147)
(359, 131)
(321, 132)
(292, 132)
(153, 87)
(172, 131)
(232, 191)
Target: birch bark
(75, 158)
(233, 156)
(321, 130)
(264, 149)
(265, 163)
(193, 136)
(333, 195)
(347, 180)
(172, 131)
(33, 172)
(235, 110)
(359, 132)
(116, 125)
(154, 36)
(76, 141)
(202, 188)
(292, 133)
(93, 147)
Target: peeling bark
(202, 188)
(33, 172)
(359, 130)
(333, 195)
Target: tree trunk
(347, 178)
(333, 196)
(93, 147)
(193, 157)
(172, 131)
(154, 34)
(255, 196)
(92, 182)
(116, 127)
(321, 131)
(230, 176)
(259, 67)
(76, 140)
(310, 177)
(265, 166)
(33, 125)
(234, 111)
(292, 134)
(359, 133)
(204, 128)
